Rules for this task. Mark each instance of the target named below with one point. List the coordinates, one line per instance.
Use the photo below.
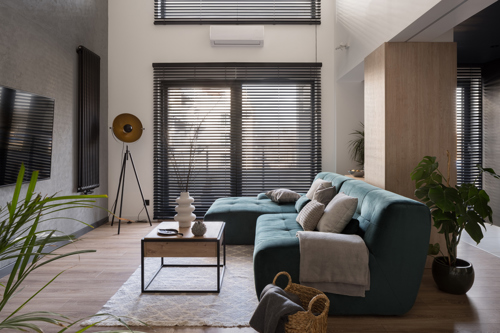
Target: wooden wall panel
(410, 102)
(420, 110)
(375, 118)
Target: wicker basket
(314, 301)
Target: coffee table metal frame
(220, 268)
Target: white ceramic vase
(184, 210)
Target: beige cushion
(338, 213)
(324, 194)
(309, 215)
(282, 195)
(314, 187)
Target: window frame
(162, 209)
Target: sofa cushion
(282, 195)
(315, 185)
(338, 213)
(276, 249)
(262, 196)
(336, 179)
(352, 228)
(309, 216)
(324, 194)
(272, 227)
(240, 215)
(301, 203)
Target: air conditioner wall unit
(237, 35)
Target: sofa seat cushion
(276, 249)
(271, 227)
(240, 215)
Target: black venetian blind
(469, 124)
(237, 11)
(256, 127)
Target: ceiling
(478, 38)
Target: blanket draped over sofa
(395, 230)
(334, 263)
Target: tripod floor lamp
(127, 128)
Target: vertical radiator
(88, 119)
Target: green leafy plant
(24, 241)
(357, 146)
(453, 208)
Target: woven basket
(314, 301)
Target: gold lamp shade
(127, 127)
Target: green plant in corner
(24, 241)
(357, 146)
(453, 208)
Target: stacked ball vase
(184, 210)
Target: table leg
(142, 264)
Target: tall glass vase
(184, 210)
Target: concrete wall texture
(38, 42)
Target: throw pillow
(282, 195)
(301, 202)
(338, 213)
(351, 228)
(310, 215)
(262, 196)
(315, 185)
(324, 194)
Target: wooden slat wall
(410, 113)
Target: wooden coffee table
(189, 246)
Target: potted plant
(24, 241)
(453, 209)
(184, 170)
(184, 167)
(357, 151)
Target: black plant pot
(454, 280)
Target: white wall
(349, 110)
(366, 24)
(135, 43)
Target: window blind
(469, 124)
(237, 11)
(237, 129)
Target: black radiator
(88, 119)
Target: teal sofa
(395, 229)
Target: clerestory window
(237, 11)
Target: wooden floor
(92, 279)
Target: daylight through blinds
(234, 130)
(237, 11)
(469, 124)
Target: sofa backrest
(375, 204)
(396, 230)
(336, 179)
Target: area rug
(233, 307)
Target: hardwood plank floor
(91, 279)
